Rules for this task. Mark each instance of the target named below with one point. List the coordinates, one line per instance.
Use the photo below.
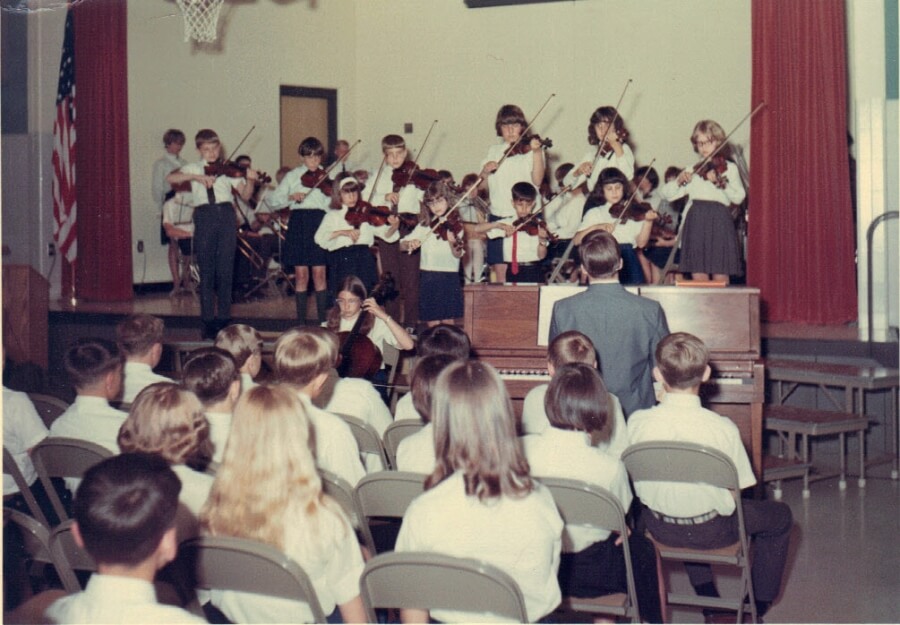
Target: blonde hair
(301, 354)
(241, 341)
(167, 420)
(682, 359)
(715, 132)
(268, 472)
(475, 433)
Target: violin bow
(612, 125)
(421, 148)
(724, 141)
(238, 147)
(377, 178)
(543, 207)
(334, 164)
(624, 216)
(524, 133)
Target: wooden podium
(26, 302)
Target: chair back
(341, 491)
(391, 357)
(385, 494)
(396, 432)
(429, 581)
(11, 468)
(227, 563)
(35, 535)
(581, 503)
(64, 457)
(48, 406)
(73, 558)
(672, 461)
(367, 438)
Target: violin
(408, 173)
(358, 356)
(444, 225)
(606, 149)
(663, 229)
(635, 211)
(365, 213)
(524, 145)
(317, 179)
(230, 169)
(717, 164)
(531, 226)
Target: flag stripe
(64, 191)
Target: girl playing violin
(525, 237)
(608, 215)
(347, 232)
(501, 176)
(442, 241)
(307, 203)
(607, 135)
(709, 245)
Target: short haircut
(509, 114)
(136, 334)
(715, 132)
(392, 141)
(209, 373)
(89, 360)
(311, 147)
(672, 172)
(600, 254)
(241, 341)
(652, 176)
(577, 399)
(682, 359)
(562, 171)
(613, 175)
(422, 380)
(167, 420)
(444, 339)
(301, 354)
(604, 114)
(571, 347)
(173, 135)
(207, 135)
(124, 505)
(524, 191)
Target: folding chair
(391, 357)
(429, 581)
(386, 494)
(64, 457)
(11, 468)
(396, 432)
(48, 407)
(367, 439)
(71, 557)
(227, 563)
(341, 491)
(585, 504)
(35, 542)
(669, 461)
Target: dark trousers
(768, 525)
(215, 242)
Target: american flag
(64, 205)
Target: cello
(358, 357)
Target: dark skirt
(709, 241)
(300, 248)
(494, 246)
(440, 295)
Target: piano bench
(788, 422)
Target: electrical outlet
(140, 247)
(407, 128)
(51, 249)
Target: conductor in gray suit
(624, 328)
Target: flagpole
(73, 300)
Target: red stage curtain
(103, 267)
(801, 224)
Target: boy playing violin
(525, 239)
(215, 225)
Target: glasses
(702, 143)
(346, 302)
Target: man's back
(624, 329)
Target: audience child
(415, 453)
(523, 252)
(502, 173)
(307, 207)
(124, 517)
(577, 406)
(480, 501)
(267, 489)
(702, 516)
(140, 338)
(607, 136)
(304, 357)
(94, 367)
(441, 298)
(173, 142)
(245, 346)
(211, 375)
(437, 340)
(569, 348)
(168, 421)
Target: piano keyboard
(525, 375)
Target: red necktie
(515, 258)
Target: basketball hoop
(200, 19)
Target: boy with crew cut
(244, 343)
(698, 515)
(215, 226)
(140, 339)
(211, 375)
(124, 515)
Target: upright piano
(502, 323)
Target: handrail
(870, 231)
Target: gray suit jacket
(625, 330)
